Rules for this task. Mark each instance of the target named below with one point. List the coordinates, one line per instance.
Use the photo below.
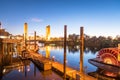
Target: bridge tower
(48, 32)
(25, 34)
(25, 31)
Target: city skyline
(98, 17)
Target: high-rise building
(25, 31)
(48, 32)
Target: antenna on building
(0, 25)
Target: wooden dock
(7, 40)
(58, 67)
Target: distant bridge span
(52, 41)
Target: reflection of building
(48, 32)
(25, 31)
(3, 33)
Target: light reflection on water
(30, 72)
(73, 57)
(12, 68)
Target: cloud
(36, 20)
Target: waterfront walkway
(58, 67)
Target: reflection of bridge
(43, 41)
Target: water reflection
(73, 49)
(102, 74)
(13, 68)
(47, 48)
(73, 57)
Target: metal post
(65, 36)
(81, 49)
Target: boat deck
(109, 67)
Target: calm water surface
(13, 68)
(29, 72)
(73, 56)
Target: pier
(71, 73)
(62, 69)
(7, 40)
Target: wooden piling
(81, 49)
(35, 40)
(3, 48)
(3, 52)
(65, 36)
(25, 41)
(8, 48)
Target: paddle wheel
(107, 63)
(109, 56)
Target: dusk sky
(99, 17)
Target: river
(73, 56)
